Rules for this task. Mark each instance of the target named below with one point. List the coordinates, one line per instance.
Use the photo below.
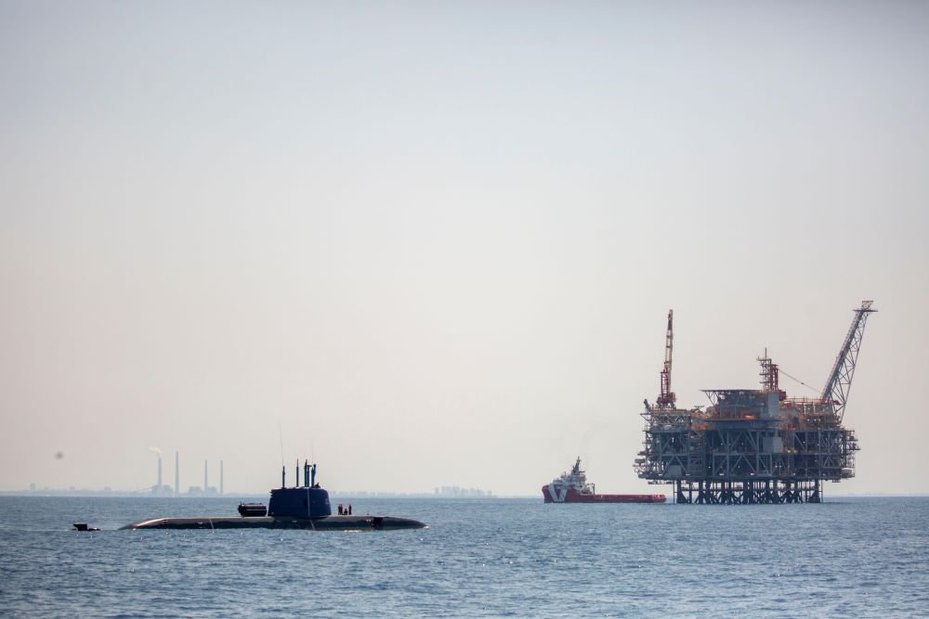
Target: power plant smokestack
(156, 489)
(205, 477)
(177, 473)
(220, 476)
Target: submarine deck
(324, 523)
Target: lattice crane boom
(666, 398)
(839, 382)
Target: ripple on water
(477, 558)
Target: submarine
(298, 507)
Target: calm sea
(509, 557)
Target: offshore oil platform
(753, 445)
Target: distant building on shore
(456, 492)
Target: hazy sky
(434, 243)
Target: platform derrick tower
(674, 445)
(666, 397)
(753, 445)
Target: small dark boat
(299, 507)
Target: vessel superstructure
(573, 487)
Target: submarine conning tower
(306, 501)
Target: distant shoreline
(249, 495)
(352, 495)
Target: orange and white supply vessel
(573, 487)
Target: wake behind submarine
(300, 507)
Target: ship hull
(552, 495)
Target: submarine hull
(324, 523)
(298, 507)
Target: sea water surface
(484, 557)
